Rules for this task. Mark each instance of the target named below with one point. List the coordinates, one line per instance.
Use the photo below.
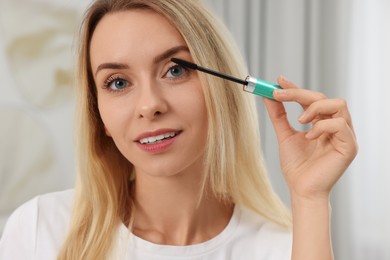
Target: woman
(169, 159)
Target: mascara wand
(253, 85)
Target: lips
(157, 141)
(157, 138)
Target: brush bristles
(185, 63)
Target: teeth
(154, 139)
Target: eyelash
(110, 80)
(185, 73)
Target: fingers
(278, 116)
(340, 134)
(291, 92)
(328, 126)
(315, 104)
(326, 108)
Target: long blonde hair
(234, 163)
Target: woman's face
(152, 108)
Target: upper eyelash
(111, 79)
(177, 65)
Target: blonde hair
(234, 164)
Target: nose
(151, 103)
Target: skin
(155, 99)
(312, 161)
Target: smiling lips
(158, 138)
(157, 141)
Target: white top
(37, 229)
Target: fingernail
(309, 135)
(283, 78)
(301, 117)
(280, 91)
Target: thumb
(278, 116)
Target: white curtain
(341, 48)
(365, 210)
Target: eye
(116, 83)
(176, 71)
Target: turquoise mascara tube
(253, 85)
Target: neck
(170, 210)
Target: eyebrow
(170, 52)
(111, 65)
(165, 55)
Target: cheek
(200, 106)
(106, 119)
(112, 115)
(194, 108)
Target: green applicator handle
(252, 85)
(260, 87)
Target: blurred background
(339, 47)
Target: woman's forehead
(133, 33)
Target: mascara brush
(252, 85)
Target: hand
(312, 161)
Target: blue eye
(176, 71)
(116, 83)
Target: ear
(107, 132)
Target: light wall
(36, 101)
